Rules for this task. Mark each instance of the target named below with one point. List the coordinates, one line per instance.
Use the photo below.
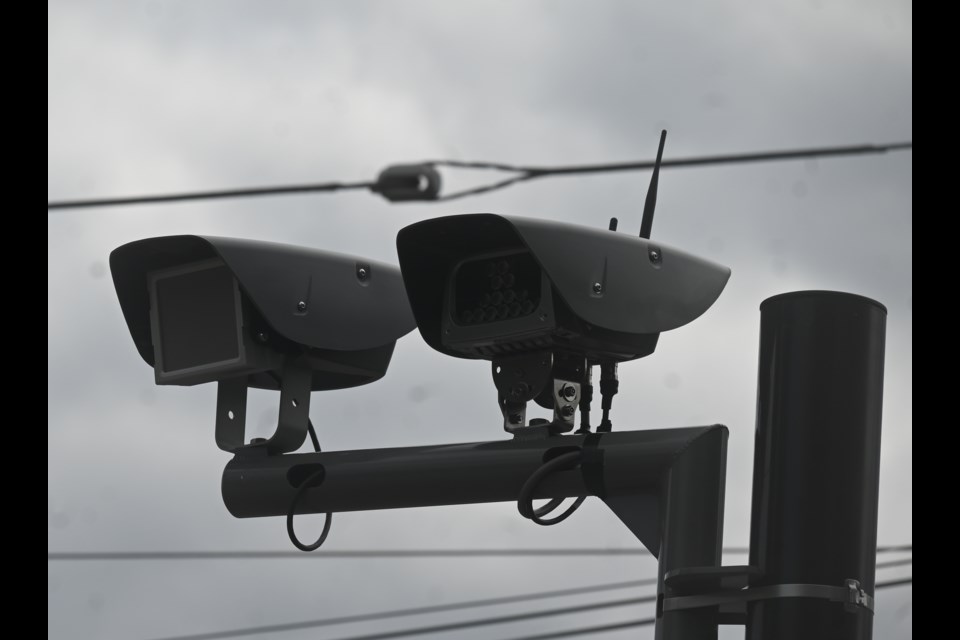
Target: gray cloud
(169, 96)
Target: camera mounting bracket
(295, 380)
(553, 379)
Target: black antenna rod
(646, 224)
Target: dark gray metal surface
(817, 460)
(634, 462)
(692, 499)
(342, 311)
(645, 287)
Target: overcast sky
(157, 97)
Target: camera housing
(607, 295)
(246, 313)
(507, 289)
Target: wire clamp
(727, 591)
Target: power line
(894, 583)
(373, 553)
(469, 604)
(396, 613)
(410, 186)
(583, 631)
(450, 626)
(210, 195)
(531, 173)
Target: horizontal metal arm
(632, 462)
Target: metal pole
(692, 498)
(632, 462)
(816, 460)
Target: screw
(514, 418)
(362, 273)
(597, 287)
(301, 306)
(655, 256)
(567, 411)
(518, 390)
(262, 336)
(567, 392)
(258, 440)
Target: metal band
(591, 465)
(851, 595)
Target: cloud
(172, 96)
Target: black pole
(632, 462)
(816, 460)
(692, 498)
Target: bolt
(514, 418)
(258, 440)
(518, 390)
(597, 287)
(301, 306)
(362, 273)
(655, 256)
(567, 411)
(567, 392)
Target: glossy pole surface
(816, 460)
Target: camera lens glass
(495, 288)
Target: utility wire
(374, 553)
(451, 626)
(585, 631)
(894, 583)
(525, 173)
(210, 195)
(453, 606)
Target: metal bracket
(554, 380)
(519, 379)
(231, 413)
(295, 385)
(733, 593)
(569, 374)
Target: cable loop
(525, 499)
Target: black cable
(313, 436)
(99, 556)
(525, 498)
(317, 475)
(584, 631)
(894, 583)
(609, 387)
(759, 156)
(894, 563)
(517, 617)
(210, 195)
(293, 506)
(525, 174)
(586, 398)
(453, 606)
(396, 613)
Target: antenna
(647, 222)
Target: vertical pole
(816, 460)
(691, 505)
